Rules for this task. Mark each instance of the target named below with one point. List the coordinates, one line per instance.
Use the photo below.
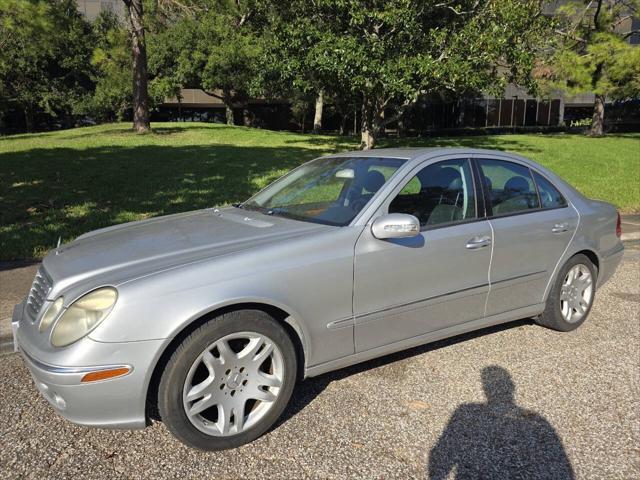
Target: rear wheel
(572, 295)
(228, 381)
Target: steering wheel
(359, 204)
(545, 197)
(446, 201)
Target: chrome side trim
(444, 333)
(345, 322)
(427, 301)
(519, 277)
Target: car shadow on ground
(498, 439)
(494, 439)
(307, 390)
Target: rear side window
(510, 187)
(550, 197)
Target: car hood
(126, 251)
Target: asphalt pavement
(515, 401)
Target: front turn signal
(105, 374)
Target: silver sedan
(210, 317)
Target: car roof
(420, 152)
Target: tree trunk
(367, 138)
(247, 118)
(401, 129)
(140, 74)
(317, 119)
(597, 123)
(302, 122)
(343, 124)
(28, 119)
(227, 99)
(370, 126)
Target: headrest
(517, 185)
(373, 181)
(447, 178)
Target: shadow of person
(498, 439)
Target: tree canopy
(45, 60)
(391, 53)
(591, 53)
(377, 56)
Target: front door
(532, 226)
(408, 287)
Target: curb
(6, 348)
(6, 337)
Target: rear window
(550, 197)
(510, 186)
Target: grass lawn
(70, 182)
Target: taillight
(619, 226)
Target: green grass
(70, 182)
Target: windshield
(327, 190)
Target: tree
(45, 67)
(591, 53)
(140, 74)
(112, 98)
(21, 63)
(290, 66)
(389, 54)
(212, 45)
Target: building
(92, 8)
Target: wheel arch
(283, 317)
(587, 252)
(591, 255)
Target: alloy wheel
(233, 383)
(576, 293)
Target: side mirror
(395, 225)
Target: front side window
(550, 197)
(331, 191)
(439, 194)
(509, 185)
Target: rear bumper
(113, 403)
(609, 264)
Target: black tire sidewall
(552, 316)
(172, 382)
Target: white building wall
(92, 8)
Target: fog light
(59, 401)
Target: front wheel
(572, 295)
(228, 381)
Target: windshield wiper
(277, 211)
(274, 211)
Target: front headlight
(82, 316)
(51, 314)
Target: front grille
(38, 294)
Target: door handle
(560, 227)
(478, 242)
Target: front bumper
(113, 403)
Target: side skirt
(448, 332)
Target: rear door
(532, 227)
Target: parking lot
(426, 413)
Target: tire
(557, 308)
(229, 379)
